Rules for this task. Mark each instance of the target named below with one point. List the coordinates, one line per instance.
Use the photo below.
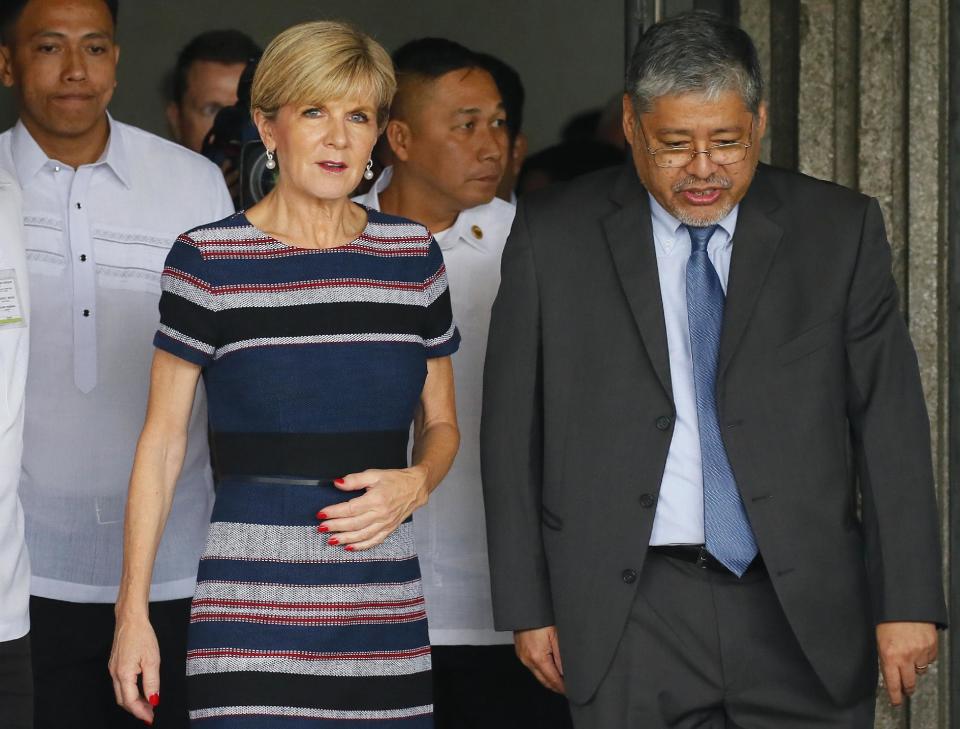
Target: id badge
(12, 315)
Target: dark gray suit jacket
(819, 399)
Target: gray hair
(696, 52)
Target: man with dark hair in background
(448, 139)
(204, 81)
(511, 91)
(102, 204)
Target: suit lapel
(630, 238)
(755, 243)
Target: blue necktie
(729, 536)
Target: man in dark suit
(705, 449)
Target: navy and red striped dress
(313, 362)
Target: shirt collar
(667, 229)
(29, 158)
(461, 230)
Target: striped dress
(313, 362)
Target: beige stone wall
(873, 111)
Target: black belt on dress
(697, 554)
(308, 455)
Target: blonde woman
(321, 329)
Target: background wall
(568, 52)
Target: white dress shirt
(679, 517)
(450, 529)
(96, 240)
(14, 346)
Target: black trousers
(481, 687)
(704, 650)
(16, 684)
(71, 646)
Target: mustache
(691, 182)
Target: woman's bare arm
(156, 467)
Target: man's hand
(539, 651)
(906, 650)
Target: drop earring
(368, 173)
(271, 163)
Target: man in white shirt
(102, 204)
(16, 685)
(448, 140)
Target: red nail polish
(321, 515)
(323, 528)
(338, 481)
(154, 700)
(349, 548)
(333, 541)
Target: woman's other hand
(389, 497)
(135, 652)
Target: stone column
(755, 19)
(925, 227)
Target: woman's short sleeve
(187, 306)
(441, 337)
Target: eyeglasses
(727, 153)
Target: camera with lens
(233, 139)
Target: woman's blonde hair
(317, 62)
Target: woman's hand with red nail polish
(387, 498)
(135, 653)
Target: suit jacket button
(647, 500)
(664, 422)
(629, 576)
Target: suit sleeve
(891, 433)
(511, 442)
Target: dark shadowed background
(569, 52)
